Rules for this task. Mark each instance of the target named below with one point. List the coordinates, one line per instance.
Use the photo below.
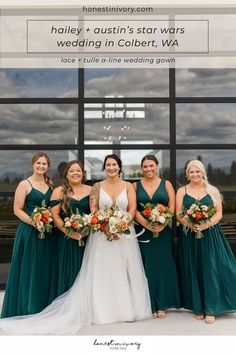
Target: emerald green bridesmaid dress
(31, 283)
(157, 256)
(70, 254)
(207, 269)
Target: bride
(111, 285)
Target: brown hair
(35, 158)
(149, 157)
(66, 187)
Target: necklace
(150, 184)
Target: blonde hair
(211, 190)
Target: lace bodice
(105, 201)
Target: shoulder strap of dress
(185, 190)
(29, 182)
(138, 184)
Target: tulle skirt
(110, 287)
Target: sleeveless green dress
(31, 284)
(70, 254)
(207, 269)
(157, 256)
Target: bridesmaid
(72, 195)
(207, 267)
(31, 286)
(156, 253)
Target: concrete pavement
(177, 322)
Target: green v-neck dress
(31, 283)
(70, 254)
(207, 269)
(157, 256)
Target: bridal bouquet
(77, 223)
(43, 219)
(112, 222)
(157, 214)
(198, 213)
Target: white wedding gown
(110, 287)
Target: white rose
(113, 229)
(112, 221)
(162, 220)
(100, 217)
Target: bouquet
(157, 214)
(112, 222)
(43, 219)
(198, 213)
(77, 223)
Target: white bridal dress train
(110, 287)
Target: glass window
(127, 82)
(6, 210)
(205, 123)
(131, 160)
(220, 166)
(127, 123)
(16, 165)
(38, 123)
(206, 82)
(38, 83)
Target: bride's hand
(115, 237)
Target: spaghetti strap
(29, 182)
(185, 188)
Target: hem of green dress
(206, 313)
(165, 308)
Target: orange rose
(199, 215)
(37, 217)
(123, 226)
(94, 220)
(46, 213)
(73, 225)
(161, 208)
(147, 212)
(103, 226)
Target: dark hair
(66, 187)
(149, 157)
(37, 156)
(115, 157)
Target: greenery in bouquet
(113, 222)
(43, 219)
(157, 214)
(197, 213)
(77, 223)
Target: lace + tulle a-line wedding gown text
(110, 287)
